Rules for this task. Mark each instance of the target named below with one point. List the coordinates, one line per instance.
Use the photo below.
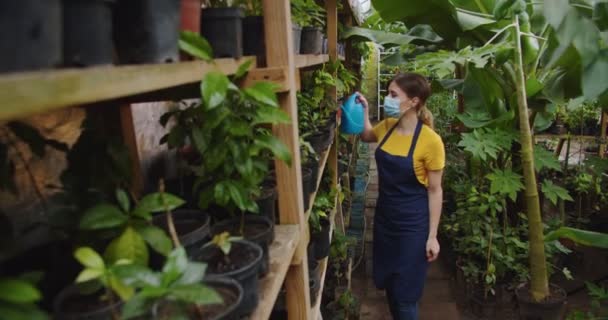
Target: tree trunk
(539, 284)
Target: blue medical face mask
(391, 107)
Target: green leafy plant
(224, 241)
(599, 297)
(323, 204)
(339, 249)
(307, 13)
(229, 134)
(346, 306)
(176, 292)
(18, 298)
(131, 226)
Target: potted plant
(147, 31)
(87, 33)
(254, 40)
(230, 172)
(99, 291)
(237, 259)
(345, 307)
(222, 26)
(23, 49)
(320, 224)
(311, 17)
(179, 291)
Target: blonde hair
(426, 116)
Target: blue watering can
(352, 116)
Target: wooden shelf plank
(309, 60)
(24, 94)
(322, 165)
(281, 250)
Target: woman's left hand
(432, 249)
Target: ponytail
(425, 115)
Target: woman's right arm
(368, 134)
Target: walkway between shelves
(438, 301)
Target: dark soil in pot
(192, 227)
(70, 304)
(254, 41)
(87, 32)
(552, 308)
(223, 28)
(321, 240)
(312, 40)
(307, 186)
(297, 37)
(242, 265)
(257, 229)
(267, 202)
(147, 31)
(31, 35)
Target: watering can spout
(352, 115)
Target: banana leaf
(582, 237)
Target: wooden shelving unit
(30, 93)
(322, 164)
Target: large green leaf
(18, 291)
(271, 115)
(388, 39)
(27, 311)
(159, 202)
(176, 264)
(135, 307)
(582, 237)
(194, 44)
(263, 92)
(214, 88)
(544, 158)
(123, 200)
(194, 273)
(156, 238)
(276, 146)
(102, 216)
(128, 246)
(197, 294)
(89, 258)
(505, 182)
(554, 192)
(478, 144)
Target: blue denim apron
(401, 224)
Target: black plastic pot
(279, 310)
(223, 28)
(312, 40)
(254, 41)
(257, 229)
(310, 253)
(267, 202)
(321, 240)
(484, 308)
(313, 287)
(553, 309)
(313, 165)
(31, 35)
(71, 298)
(297, 37)
(222, 285)
(87, 32)
(192, 227)
(245, 272)
(147, 31)
(306, 186)
(182, 187)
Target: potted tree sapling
(238, 259)
(311, 17)
(222, 26)
(229, 133)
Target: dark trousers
(401, 310)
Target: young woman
(410, 158)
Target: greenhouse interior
(304, 159)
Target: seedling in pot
(224, 241)
(176, 292)
(131, 226)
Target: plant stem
(115, 315)
(170, 224)
(489, 261)
(539, 283)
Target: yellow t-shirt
(429, 154)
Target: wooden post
(603, 134)
(130, 140)
(278, 32)
(332, 46)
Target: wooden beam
(130, 139)
(332, 45)
(28, 93)
(277, 75)
(278, 32)
(603, 134)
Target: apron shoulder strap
(390, 131)
(415, 139)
